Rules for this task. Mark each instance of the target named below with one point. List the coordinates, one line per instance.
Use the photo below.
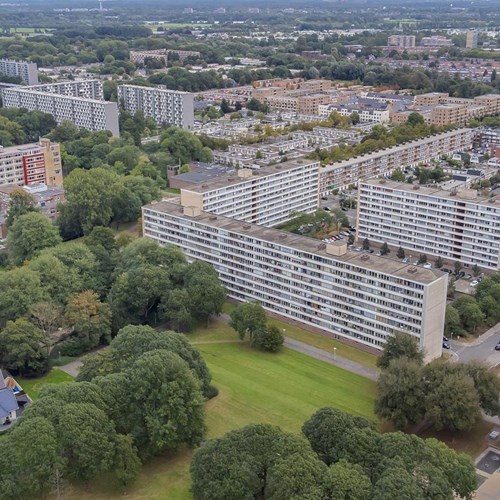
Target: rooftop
(439, 191)
(310, 245)
(220, 182)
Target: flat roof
(27, 90)
(437, 191)
(231, 180)
(393, 149)
(384, 264)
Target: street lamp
(334, 353)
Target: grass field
(282, 389)
(32, 386)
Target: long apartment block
(166, 107)
(356, 296)
(266, 196)
(79, 102)
(456, 224)
(38, 163)
(382, 163)
(27, 71)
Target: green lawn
(282, 389)
(32, 386)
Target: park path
(72, 368)
(333, 359)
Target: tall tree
(400, 345)
(347, 481)
(29, 235)
(247, 318)
(22, 348)
(20, 203)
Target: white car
(427, 266)
(474, 283)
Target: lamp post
(334, 354)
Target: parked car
(344, 209)
(405, 260)
(324, 197)
(378, 254)
(427, 266)
(446, 344)
(326, 208)
(474, 283)
(358, 249)
(497, 347)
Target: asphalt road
(481, 350)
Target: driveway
(481, 349)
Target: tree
(90, 321)
(20, 203)
(487, 386)
(47, 317)
(339, 218)
(401, 393)
(19, 289)
(327, 430)
(384, 249)
(400, 345)
(90, 196)
(224, 107)
(126, 463)
(396, 482)
(347, 481)
(206, 294)
(32, 459)
(452, 322)
(163, 401)
(438, 264)
(257, 461)
(350, 239)
(453, 402)
(355, 118)
(422, 259)
(174, 308)
(400, 253)
(469, 311)
(475, 270)
(366, 244)
(398, 175)
(268, 338)
(247, 318)
(415, 119)
(22, 348)
(30, 233)
(457, 266)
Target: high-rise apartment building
(164, 106)
(28, 71)
(31, 164)
(341, 174)
(401, 41)
(355, 296)
(471, 39)
(266, 196)
(80, 102)
(458, 224)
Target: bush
(269, 339)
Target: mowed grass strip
(33, 386)
(282, 389)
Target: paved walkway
(328, 357)
(72, 368)
(480, 349)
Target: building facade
(266, 196)
(31, 164)
(79, 102)
(459, 225)
(164, 106)
(28, 71)
(139, 56)
(355, 296)
(382, 163)
(401, 41)
(471, 39)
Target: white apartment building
(28, 71)
(139, 56)
(91, 114)
(401, 41)
(341, 174)
(30, 164)
(86, 89)
(164, 106)
(359, 297)
(266, 196)
(459, 225)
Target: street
(482, 349)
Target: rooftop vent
(416, 187)
(382, 181)
(321, 246)
(365, 257)
(283, 236)
(453, 192)
(299, 161)
(247, 226)
(213, 217)
(412, 270)
(204, 186)
(491, 200)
